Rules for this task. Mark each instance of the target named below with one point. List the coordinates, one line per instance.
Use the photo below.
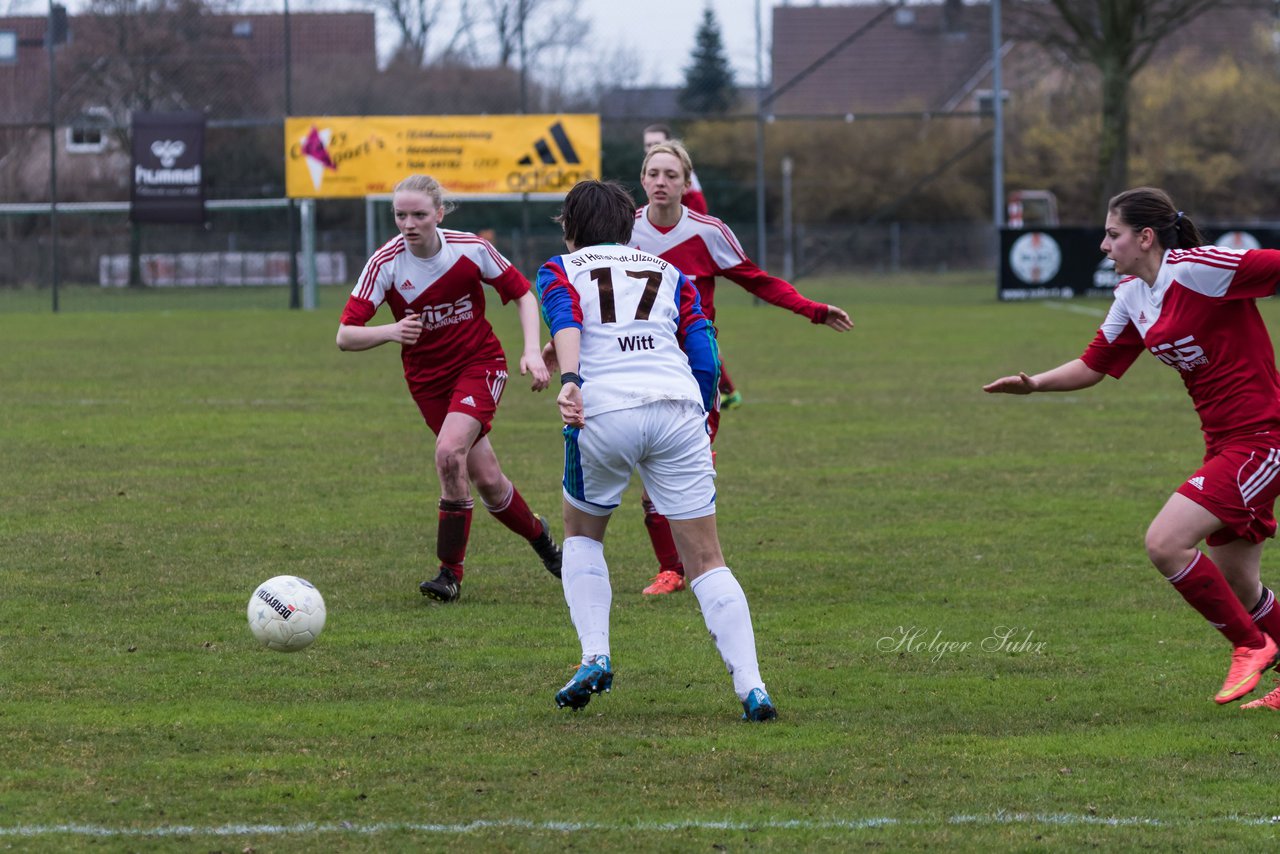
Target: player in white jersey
(1192, 306)
(639, 372)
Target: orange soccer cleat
(666, 581)
(1270, 701)
(1247, 666)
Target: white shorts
(666, 441)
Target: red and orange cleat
(1247, 666)
(1270, 701)
(666, 581)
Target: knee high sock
(452, 534)
(1202, 584)
(1266, 615)
(585, 578)
(724, 608)
(516, 515)
(664, 545)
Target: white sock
(724, 608)
(585, 578)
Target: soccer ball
(286, 613)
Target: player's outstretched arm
(407, 330)
(1070, 376)
(531, 361)
(838, 319)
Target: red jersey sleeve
(510, 284)
(1257, 275)
(774, 291)
(358, 311)
(1224, 273)
(1113, 357)
(1118, 342)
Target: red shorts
(476, 393)
(1238, 484)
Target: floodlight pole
(761, 248)
(526, 224)
(53, 156)
(295, 292)
(997, 115)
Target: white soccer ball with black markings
(286, 613)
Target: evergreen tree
(708, 81)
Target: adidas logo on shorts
(471, 401)
(1197, 482)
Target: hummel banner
(346, 156)
(168, 168)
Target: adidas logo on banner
(546, 156)
(471, 401)
(1197, 482)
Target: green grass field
(889, 522)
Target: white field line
(1077, 309)
(344, 827)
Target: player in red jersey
(1193, 307)
(694, 200)
(432, 279)
(702, 247)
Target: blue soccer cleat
(593, 678)
(758, 707)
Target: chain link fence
(65, 134)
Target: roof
(932, 57)
(912, 58)
(321, 41)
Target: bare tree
(532, 27)
(1118, 37)
(155, 55)
(419, 22)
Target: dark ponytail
(1148, 207)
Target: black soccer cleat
(445, 587)
(545, 545)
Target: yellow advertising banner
(346, 156)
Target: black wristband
(571, 377)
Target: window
(87, 132)
(242, 29)
(8, 47)
(986, 102)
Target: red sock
(664, 546)
(1266, 615)
(1205, 589)
(452, 534)
(517, 516)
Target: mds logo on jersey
(1183, 354)
(548, 169)
(446, 314)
